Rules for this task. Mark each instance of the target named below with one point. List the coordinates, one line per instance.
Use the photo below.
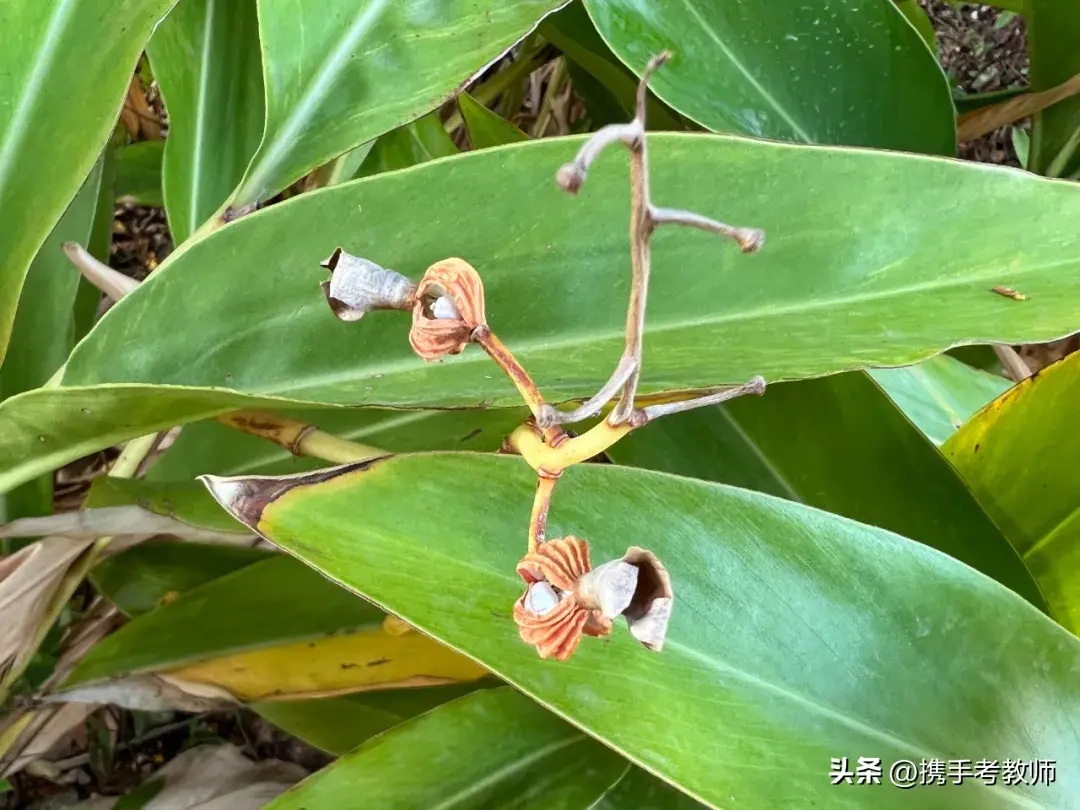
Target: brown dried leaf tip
(358, 286)
(567, 598)
(449, 305)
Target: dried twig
(645, 218)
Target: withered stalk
(299, 438)
(645, 218)
(504, 358)
(545, 487)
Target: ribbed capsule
(566, 598)
(449, 305)
(358, 286)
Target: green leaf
(42, 334)
(64, 69)
(418, 142)
(1053, 28)
(271, 630)
(339, 73)
(185, 501)
(1019, 455)
(789, 625)
(138, 173)
(918, 17)
(150, 574)
(210, 447)
(940, 394)
(571, 30)
(486, 128)
(640, 790)
(339, 724)
(207, 62)
(835, 71)
(837, 443)
(887, 289)
(493, 748)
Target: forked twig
(645, 218)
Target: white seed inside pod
(444, 309)
(541, 598)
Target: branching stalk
(644, 219)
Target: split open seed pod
(358, 286)
(449, 305)
(567, 598)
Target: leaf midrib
(268, 159)
(739, 66)
(455, 799)
(200, 118)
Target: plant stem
(554, 459)
(545, 486)
(299, 438)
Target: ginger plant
(565, 597)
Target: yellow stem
(573, 451)
(299, 438)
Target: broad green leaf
(41, 336)
(64, 69)
(1053, 27)
(851, 72)
(185, 501)
(341, 72)
(640, 790)
(138, 173)
(914, 283)
(210, 447)
(837, 443)
(794, 633)
(939, 394)
(493, 748)
(152, 574)
(1019, 455)
(207, 62)
(272, 630)
(418, 142)
(918, 17)
(571, 30)
(339, 724)
(486, 128)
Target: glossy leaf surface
(834, 71)
(837, 443)
(789, 625)
(64, 69)
(939, 394)
(205, 56)
(493, 748)
(1019, 455)
(339, 73)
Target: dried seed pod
(358, 286)
(448, 306)
(567, 598)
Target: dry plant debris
(565, 597)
